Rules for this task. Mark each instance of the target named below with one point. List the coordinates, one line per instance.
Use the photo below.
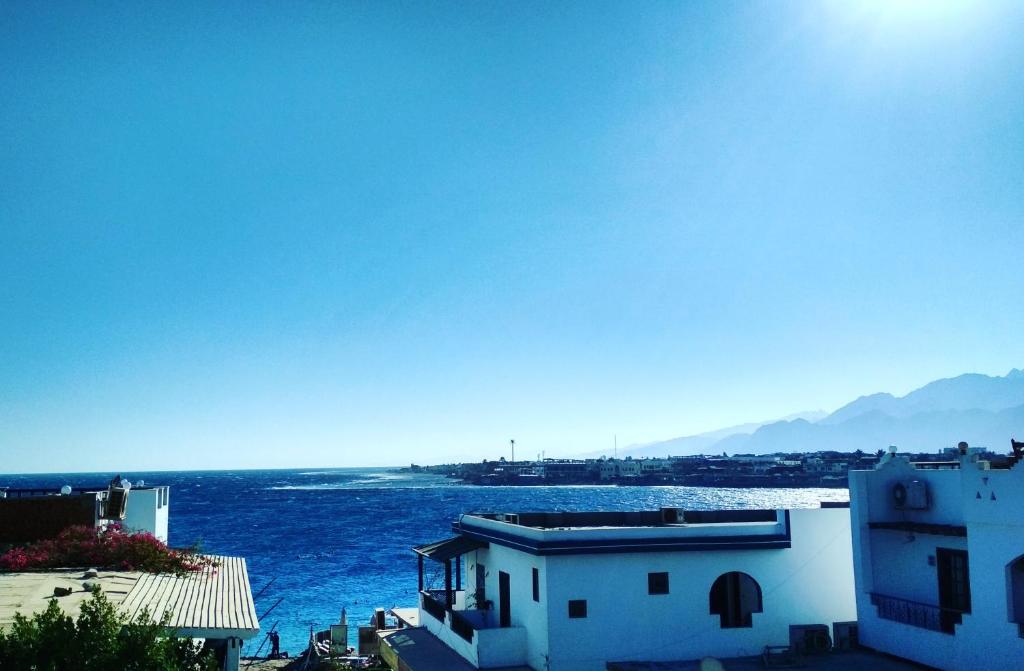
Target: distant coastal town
(824, 468)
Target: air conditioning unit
(910, 495)
(671, 515)
(844, 635)
(809, 639)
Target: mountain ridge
(981, 409)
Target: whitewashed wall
(896, 563)
(525, 611)
(810, 583)
(147, 511)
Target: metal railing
(917, 614)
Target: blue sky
(298, 234)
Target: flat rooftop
(627, 519)
(215, 602)
(861, 659)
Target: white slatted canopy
(215, 602)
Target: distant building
(575, 591)
(939, 561)
(28, 515)
(654, 465)
(562, 469)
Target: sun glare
(911, 15)
(916, 11)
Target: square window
(578, 608)
(657, 583)
(536, 585)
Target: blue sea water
(329, 538)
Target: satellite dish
(65, 490)
(711, 664)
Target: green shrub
(100, 639)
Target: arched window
(734, 596)
(1015, 589)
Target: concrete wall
(994, 510)
(896, 563)
(498, 648)
(491, 647)
(525, 612)
(444, 632)
(147, 511)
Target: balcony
(473, 634)
(916, 614)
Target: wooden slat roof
(215, 602)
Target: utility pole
(616, 446)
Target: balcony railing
(461, 626)
(917, 614)
(432, 606)
(437, 594)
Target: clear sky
(314, 234)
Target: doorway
(954, 587)
(480, 596)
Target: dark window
(578, 608)
(504, 599)
(657, 583)
(536, 585)
(734, 597)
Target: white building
(28, 515)
(939, 561)
(574, 591)
(147, 510)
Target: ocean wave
(354, 486)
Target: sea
(319, 540)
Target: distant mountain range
(979, 409)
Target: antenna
(513, 450)
(616, 446)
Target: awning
(442, 551)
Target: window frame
(580, 610)
(726, 598)
(654, 585)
